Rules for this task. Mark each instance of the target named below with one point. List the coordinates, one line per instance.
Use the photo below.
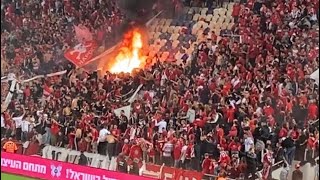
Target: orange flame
(129, 56)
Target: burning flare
(129, 56)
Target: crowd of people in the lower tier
(214, 114)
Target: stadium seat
(230, 5)
(216, 12)
(229, 14)
(228, 20)
(204, 11)
(163, 42)
(162, 22)
(224, 26)
(202, 17)
(156, 35)
(174, 36)
(196, 17)
(170, 29)
(222, 11)
(215, 18)
(168, 22)
(209, 17)
(221, 19)
(176, 29)
(230, 25)
(164, 29)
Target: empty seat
(209, 17)
(229, 14)
(174, 36)
(175, 43)
(204, 11)
(168, 22)
(164, 29)
(176, 29)
(196, 17)
(224, 26)
(162, 21)
(202, 17)
(227, 20)
(170, 29)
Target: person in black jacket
(289, 148)
(83, 159)
(251, 158)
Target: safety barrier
(40, 168)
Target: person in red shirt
(177, 153)
(311, 146)
(126, 148)
(267, 163)
(207, 165)
(230, 114)
(224, 158)
(313, 111)
(234, 146)
(135, 152)
(236, 11)
(268, 110)
(189, 155)
(283, 131)
(220, 132)
(115, 131)
(233, 131)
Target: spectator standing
(289, 149)
(316, 171)
(297, 173)
(3, 126)
(18, 122)
(83, 159)
(167, 153)
(284, 174)
(122, 163)
(251, 158)
(162, 125)
(25, 126)
(102, 140)
(267, 164)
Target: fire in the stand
(129, 56)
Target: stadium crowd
(213, 114)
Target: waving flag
(81, 53)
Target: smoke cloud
(134, 8)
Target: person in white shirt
(248, 143)
(191, 115)
(167, 153)
(162, 125)
(3, 126)
(183, 155)
(25, 124)
(102, 143)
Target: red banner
(40, 168)
(81, 53)
(163, 172)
